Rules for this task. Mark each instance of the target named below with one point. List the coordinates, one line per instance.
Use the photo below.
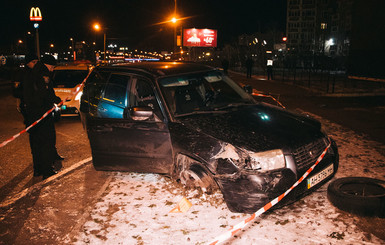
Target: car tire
(358, 195)
(192, 175)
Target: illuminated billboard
(199, 38)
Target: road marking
(86, 214)
(43, 183)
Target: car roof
(160, 69)
(81, 67)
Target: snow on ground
(135, 209)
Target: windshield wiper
(231, 105)
(198, 112)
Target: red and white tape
(269, 96)
(45, 114)
(239, 226)
(30, 126)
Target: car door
(121, 142)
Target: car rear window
(68, 78)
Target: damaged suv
(195, 124)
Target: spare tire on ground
(358, 195)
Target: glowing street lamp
(174, 21)
(97, 27)
(51, 46)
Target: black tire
(358, 195)
(192, 175)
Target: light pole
(97, 27)
(73, 48)
(35, 15)
(174, 21)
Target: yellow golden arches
(35, 14)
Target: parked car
(195, 124)
(67, 81)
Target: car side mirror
(248, 89)
(141, 113)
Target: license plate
(312, 181)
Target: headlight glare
(267, 160)
(78, 95)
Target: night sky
(133, 23)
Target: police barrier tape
(268, 96)
(47, 113)
(259, 94)
(230, 233)
(30, 126)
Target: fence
(324, 81)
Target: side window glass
(93, 90)
(95, 84)
(143, 95)
(114, 100)
(116, 88)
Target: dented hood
(256, 128)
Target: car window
(68, 78)
(202, 92)
(143, 95)
(114, 99)
(116, 89)
(95, 84)
(93, 90)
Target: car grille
(306, 155)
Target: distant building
(319, 26)
(351, 30)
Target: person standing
(225, 65)
(39, 97)
(269, 70)
(17, 89)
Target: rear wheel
(192, 175)
(358, 195)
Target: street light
(51, 46)
(73, 49)
(97, 27)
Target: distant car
(66, 81)
(195, 124)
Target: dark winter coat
(38, 93)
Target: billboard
(199, 38)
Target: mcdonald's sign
(35, 14)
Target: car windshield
(202, 93)
(68, 78)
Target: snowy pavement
(135, 209)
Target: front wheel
(192, 175)
(358, 195)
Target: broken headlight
(242, 158)
(267, 160)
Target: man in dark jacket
(39, 97)
(17, 90)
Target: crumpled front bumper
(247, 191)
